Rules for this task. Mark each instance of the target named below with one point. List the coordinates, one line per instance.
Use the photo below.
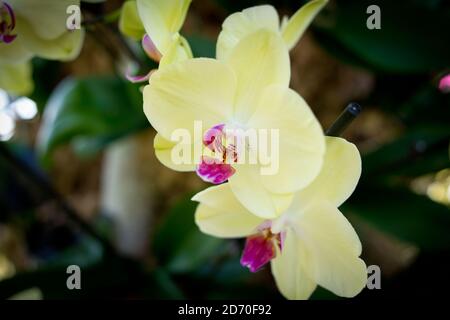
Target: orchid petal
(46, 18)
(300, 148)
(338, 177)
(178, 50)
(139, 78)
(150, 48)
(248, 188)
(334, 249)
(300, 21)
(16, 78)
(192, 90)
(241, 24)
(130, 23)
(291, 270)
(162, 19)
(220, 214)
(14, 52)
(66, 47)
(164, 153)
(259, 60)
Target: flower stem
(343, 121)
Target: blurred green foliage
(89, 113)
(411, 38)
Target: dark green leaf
(90, 112)
(410, 39)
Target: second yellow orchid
(311, 243)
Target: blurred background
(79, 182)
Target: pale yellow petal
(248, 188)
(47, 18)
(192, 90)
(297, 139)
(220, 214)
(338, 177)
(178, 50)
(334, 248)
(66, 47)
(130, 23)
(164, 152)
(16, 78)
(240, 24)
(291, 269)
(299, 22)
(14, 52)
(162, 19)
(259, 60)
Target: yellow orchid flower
(157, 23)
(241, 24)
(247, 92)
(311, 243)
(38, 28)
(31, 28)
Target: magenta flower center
(218, 168)
(7, 23)
(260, 248)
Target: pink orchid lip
(258, 251)
(7, 23)
(214, 170)
(150, 48)
(260, 248)
(217, 169)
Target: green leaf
(179, 245)
(410, 39)
(89, 113)
(404, 215)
